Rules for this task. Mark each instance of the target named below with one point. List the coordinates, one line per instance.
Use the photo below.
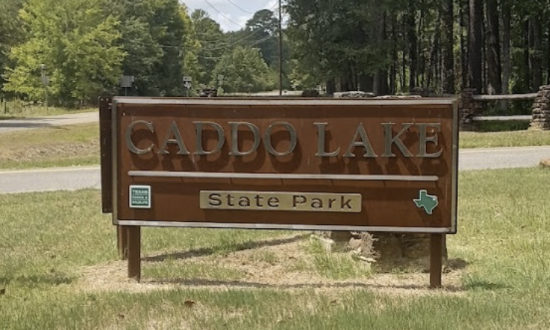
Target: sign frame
(262, 101)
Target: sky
(231, 14)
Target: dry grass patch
(249, 269)
(52, 146)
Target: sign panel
(375, 165)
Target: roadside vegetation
(59, 268)
(18, 109)
(50, 147)
(504, 139)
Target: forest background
(76, 50)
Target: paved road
(89, 177)
(11, 125)
(71, 178)
(492, 158)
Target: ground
(59, 269)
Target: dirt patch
(283, 266)
(46, 151)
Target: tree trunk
(393, 68)
(493, 49)
(548, 57)
(448, 43)
(421, 67)
(526, 62)
(434, 68)
(331, 86)
(506, 56)
(463, 45)
(536, 53)
(381, 75)
(411, 36)
(475, 45)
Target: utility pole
(45, 83)
(280, 50)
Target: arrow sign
(426, 201)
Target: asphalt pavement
(68, 178)
(74, 178)
(11, 125)
(494, 158)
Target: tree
(494, 68)
(75, 41)
(10, 31)
(191, 46)
(475, 45)
(342, 43)
(447, 27)
(211, 45)
(244, 70)
(412, 43)
(261, 32)
(153, 37)
(506, 6)
(167, 28)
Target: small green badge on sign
(140, 197)
(426, 201)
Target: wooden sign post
(303, 164)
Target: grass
(20, 109)
(48, 240)
(336, 266)
(500, 126)
(504, 139)
(49, 147)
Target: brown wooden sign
(373, 165)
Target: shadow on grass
(238, 247)
(42, 279)
(257, 285)
(484, 285)
(455, 264)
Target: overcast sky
(231, 14)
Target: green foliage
(261, 32)
(191, 45)
(75, 41)
(244, 70)
(337, 40)
(211, 46)
(10, 31)
(152, 35)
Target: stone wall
(468, 107)
(541, 109)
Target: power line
(250, 45)
(240, 8)
(222, 14)
(235, 42)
